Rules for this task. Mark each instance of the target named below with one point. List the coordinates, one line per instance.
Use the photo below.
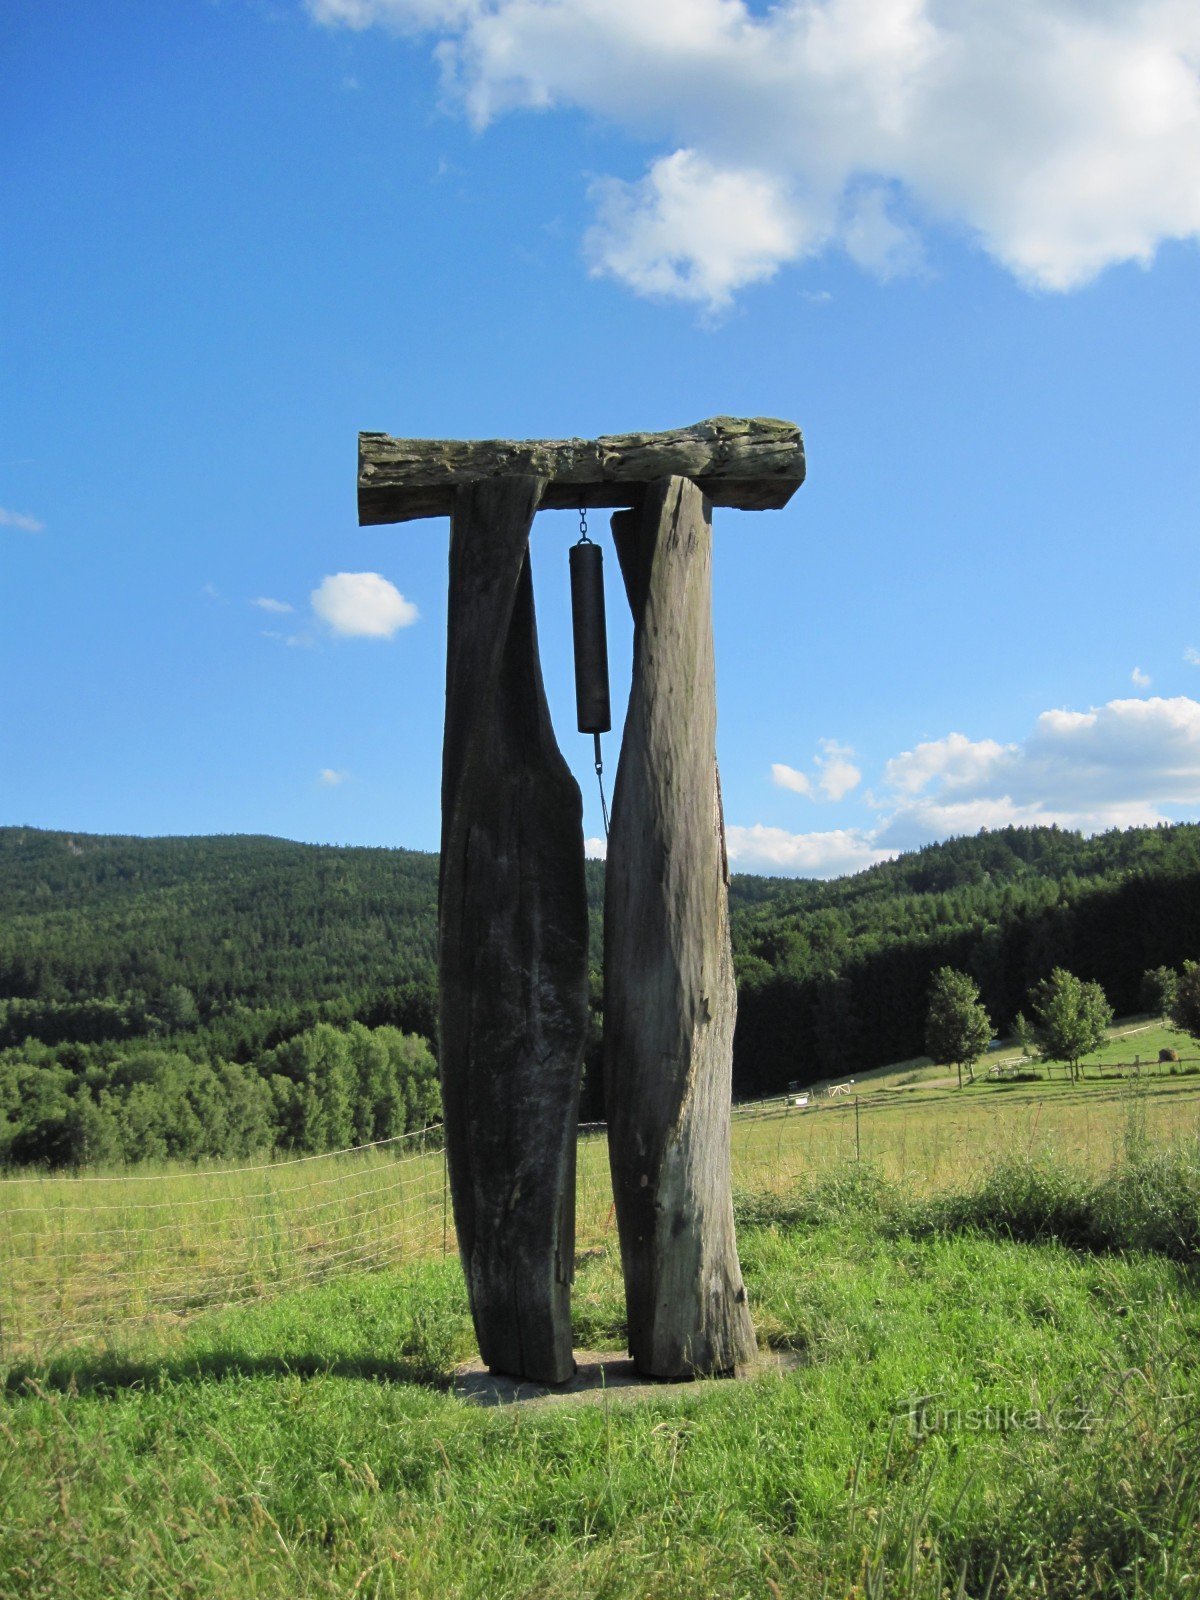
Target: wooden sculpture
(512, 945)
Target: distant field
(933, 1138)
(112, 1261)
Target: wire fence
(92, 1260)
(83, 1259)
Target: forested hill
(836, 974)
(242, 920)
(227, 947)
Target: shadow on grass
(111, 1374)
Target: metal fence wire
(87, 1261)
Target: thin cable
(218, 1172)
(600, 781)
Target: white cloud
(692, 231)
(362, 605)
(276, 606)
(789, 778)
(1062, 135)
(19, 519)
(955, 760)
(1128, 755)
(1192, 656)
(331, 778)
(807, 855)
(839, 775)
(595, 849)
(1118, 765)
(1140, 679)
(836, 773)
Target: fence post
(857, 1139)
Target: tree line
(1070, 1017)
(202, 960)
(836, 977)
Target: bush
(1150, 1201)
(851, 1192)
(1026, 1200)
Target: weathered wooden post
(669, 997)
(512, 946)
(512, 911)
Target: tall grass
(1149, 1202)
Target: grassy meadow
(240, 1382)
(104, 1261)
(969, 1413)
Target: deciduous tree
(1072, 1018)
(1157, 991)
(1184, 1010)
(957, 1028)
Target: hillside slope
(226, 946)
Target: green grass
(935, 1138)
(971, 1414)
(84, 1260)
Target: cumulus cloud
(836, 775)
(1115, 766)
(691, 230)
(789, 778)
(277, 607)
(955, 760)
(1062, 135)
(1192, 656)
(1120, 765)
(805, 855)
(19, 519)
(331, 778)
(1140, 679)
(595, 849)
(362, 605)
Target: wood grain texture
(755, 464)
(669, 998)
(512, 947)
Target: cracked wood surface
(669, 998)
(512, 947)
(754, 464)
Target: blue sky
(956, 245)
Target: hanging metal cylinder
(591, 638)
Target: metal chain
(583, 533)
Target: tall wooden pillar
(669, 997)
(512, 946)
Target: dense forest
(213, 996)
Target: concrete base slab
(600, 1375)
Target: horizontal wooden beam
(754, 464)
